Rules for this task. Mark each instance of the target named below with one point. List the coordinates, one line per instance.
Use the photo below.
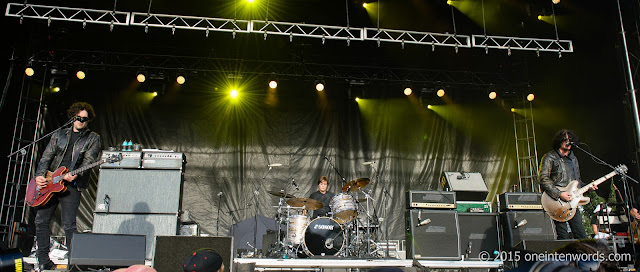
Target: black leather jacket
(553, 173)
(54, 153)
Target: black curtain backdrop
(228, 144)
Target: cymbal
(281, 194)
(307, 203)
(355, 184)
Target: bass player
(73, 148)
(559, 167)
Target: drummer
(323, 196)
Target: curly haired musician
(72, 147)
(559, 167)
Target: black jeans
(576, 228)
(69, 202)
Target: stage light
(493, 95)
(29, 71)
(251, 1)
(155, 94)
(273, 84)
(233, 93)
(55, 89)
(530, 97)
(429, 106)
(319, 85)
(555, 1)
(180, 79)
(540, 17)
(440, 93)
(449, 2)
(357, 99)
(364, 5)
(513, 110)
(408, 91)
(80, 74)
(141, 77)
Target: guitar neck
(86, 167)
(596, 182)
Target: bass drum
(323, 236)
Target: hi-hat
(306, 203)
(281, 194)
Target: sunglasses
(82, 119)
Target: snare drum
(323, 236)
(344, 208)
(295, 229)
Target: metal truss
(415, 37)
(189, 22)
(185, 64)
(531, 44)
(81, 15)
(285, 29)
(306, 30)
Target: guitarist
(72, 147)
(559, 167)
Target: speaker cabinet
(172, 251)
(150, 225)
(478, 232)
(139, 191)
(542, 246)
(113, 250)
(432, 235)
(526, 225)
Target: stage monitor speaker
(542, 246)
(111, 250)
(468, 186)
(150, 225)
(139, 191)
(172, 251)
(478, 232)
(432, 234)
(526, 225)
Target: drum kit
(350, 230)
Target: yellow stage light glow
(530, 97)
(141, 78)
(440, 93)
(56, 89)
(493, 95)
(407, 91)
(429, 107)
(364, 5)
(273, 84)
(357, 99)
(319, 87)
(234, 93)
(29, 71)
(251, 1)
(80, 74)
(181, 80)
(513, 110)
(555, 1)
(155, 94)
(540, 17)
(449, 2)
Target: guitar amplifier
(163, 160)
(468, 186)
(431, 199)
(130, 159)
(520, 201)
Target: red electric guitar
(36, 197)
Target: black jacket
(553, 173)
(54, 153)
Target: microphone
(520, 224)
(328, 243)
(275, 165)
(424, 222)
(368, 163)
(573, 143)
(462, 175)
(219, 194)
(293, 181)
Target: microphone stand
(344, 181)
(218, 221)
(386, 211)
(255, 217)
(23, 151)
(626, 189)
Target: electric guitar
(563, 211)
(36, 197)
